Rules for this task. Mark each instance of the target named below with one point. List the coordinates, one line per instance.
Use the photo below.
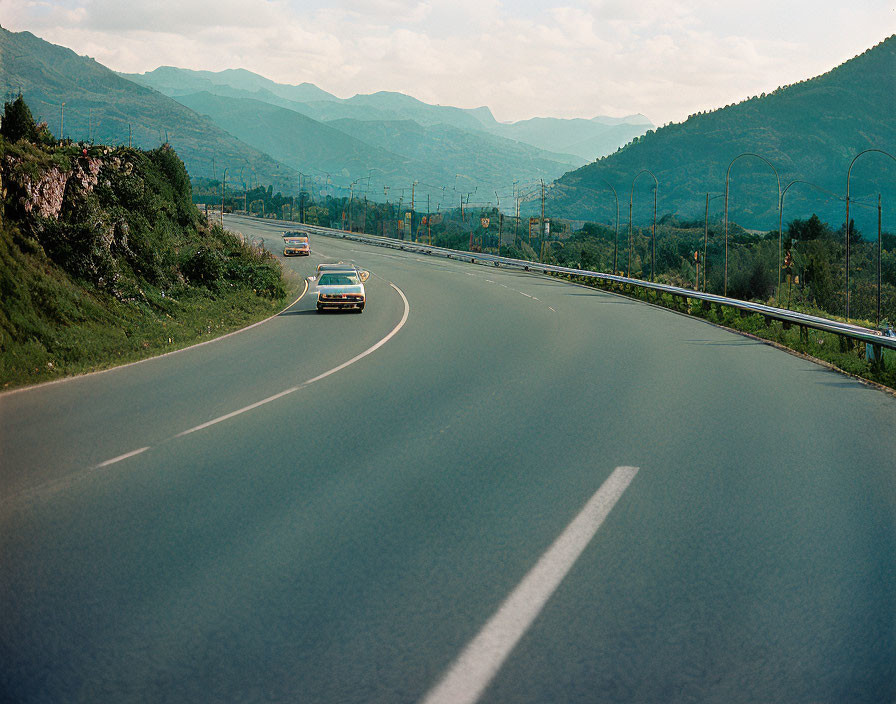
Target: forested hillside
(808, 131)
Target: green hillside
(809, 131)
(104, 258)
(100, 106)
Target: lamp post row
(781, 194)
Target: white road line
(242, 410)
(369, 350)
(526, 294)
(490, 281)
(122, 457)
(551, 309)
(480, 661)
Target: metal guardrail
(855, 332)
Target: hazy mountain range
(394, 138)
(585, 139)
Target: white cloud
(573, 58)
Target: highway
(490, 486)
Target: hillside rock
(40, 194)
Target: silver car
(341, 290)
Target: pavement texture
(345, 541)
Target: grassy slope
(71, 305)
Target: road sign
(484, 222)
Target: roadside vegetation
(813, 281)
(104, 258)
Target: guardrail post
(877, 356)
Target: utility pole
(350, 201)
(223, 192)
(413, 187)
(705, 238)
(129, 135)
(878, 260)
(364, 224)
(428, 224)
(500, 222)
(541, 256)
(62, 124)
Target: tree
(18, 123)
(811, 229)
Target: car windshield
(342, 278)
(296, 240)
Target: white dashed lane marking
(481, 660)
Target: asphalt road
(352, 538)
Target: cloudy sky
(665, 59)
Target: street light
(777, 178)
(616, 238)
(351, 200)
(706, 234)
(848, 172)
(653, 238)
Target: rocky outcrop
(43, 193)
(39, 195)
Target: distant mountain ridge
(101, 105)
(397, 151)
(809, 131)
(585, 139)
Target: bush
(204, 266)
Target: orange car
(295, 243)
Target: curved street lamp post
(848, 173)
(616, 238)
(706, 234)
(653, 236)
(778, 179)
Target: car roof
(341, 266)
(352, 273)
